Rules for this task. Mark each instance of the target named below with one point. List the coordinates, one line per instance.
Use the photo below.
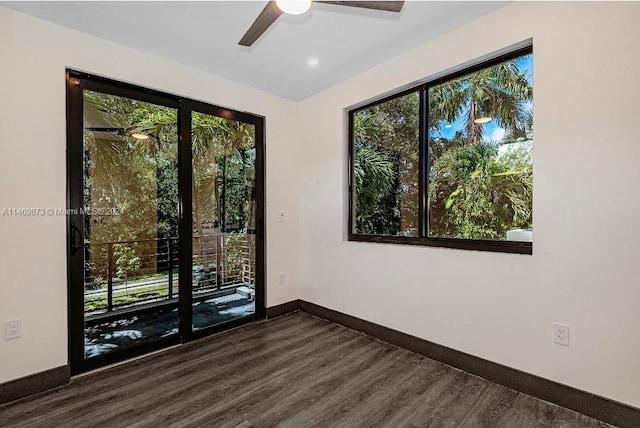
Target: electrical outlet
(561, 334)
(12, 329)
(282, 279)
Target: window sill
(513, 247)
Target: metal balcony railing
(124, 274)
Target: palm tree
(374, 171)
(500, 92)
(386, 157)
(218, 146)
(474, 191)
(477, 194)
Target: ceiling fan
(274, 9)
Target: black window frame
(423, 238)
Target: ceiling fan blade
(267, 17)
(389, 6)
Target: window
(385, 165)
(448, 163)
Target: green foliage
(498, 92)
(478, 189)
(127, 260)
(386, 149)
(224, 162)
(477, 194)
(377, 199)
(98, 302)
(235, 245)
(136, 177)
(140, 178)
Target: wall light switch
(281, 217)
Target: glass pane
(131, 222)
(385, 164)
(481, 154)
(224, 256)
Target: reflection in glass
(131, 222)
(224, 255)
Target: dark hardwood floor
(294, 371)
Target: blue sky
(492, 131)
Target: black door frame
(76, 82)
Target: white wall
(586, 264)
(33, 279)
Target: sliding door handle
(260, 228)
(76, 238)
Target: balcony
(131, 287)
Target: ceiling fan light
(294, 7)
(140, 136)
(482, 120)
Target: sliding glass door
(165, 205)
(224, 219)
(130, 227)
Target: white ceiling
(205, 35)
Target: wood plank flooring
(294, 371)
